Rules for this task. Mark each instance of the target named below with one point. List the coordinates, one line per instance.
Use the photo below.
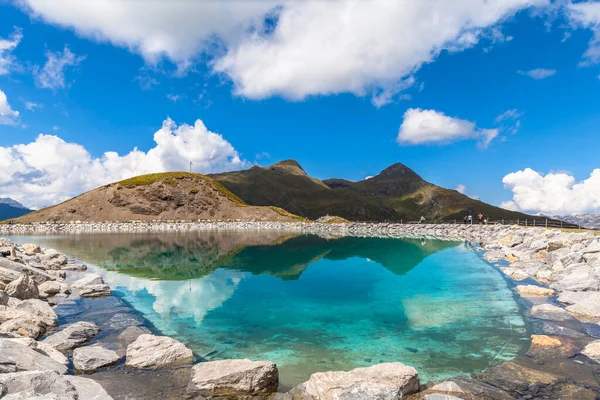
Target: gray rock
(388, 381)
(436, 396)
(513, 377)
(74, 267)
(23, 288)
(41, 310)
(227, 378)
(534, 291)
(91, 358)
(3, 298)
(24, 326)
(578, 279)
(41, 348)
(87, 389)
(53, 261)
(448, 387)
(31, 249)
(592, 350)
(50, 288)
(594, 247)
(155, 352)
(90, 279)
(538, 245)
(100, 290)
(550, 312)
(130, 334)
(38, 385)
(8, 275)
(72, 336)
(16, 357)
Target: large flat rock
(233, 378)
(155, 352)
(388, 381)
(15, 357)
(72, 336)
(513, 377)
(91, 358)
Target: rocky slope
(397, 193)
(165, 196)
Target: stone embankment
(556, 277)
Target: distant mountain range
(590, 221)
(10, 208)
(397, 193)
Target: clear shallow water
(311, 304)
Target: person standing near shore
(470, 219)
(422, 219)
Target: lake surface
(313, 304)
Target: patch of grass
(288, 214)
(170, 179)
(167, 177)
(337, 220)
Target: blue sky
(291, 98)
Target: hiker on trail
(422, 220)
(465, 219)
(470, 219)
(480, 216)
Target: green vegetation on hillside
(170, 178)
(397, 193)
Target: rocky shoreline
(556, 276)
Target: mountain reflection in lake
(310, 303)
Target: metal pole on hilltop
(190, 167)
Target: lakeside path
(555, 274)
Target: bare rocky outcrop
(226, 378)
(155, 352)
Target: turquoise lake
(313, 304)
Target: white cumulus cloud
(6, 47)
(292, 48)
(364, 47)
(538, 73)
(50, 170)
(431, 126)
(52, 74)
(176, 29)
(587, 15)
(8, 116)
(553, 193)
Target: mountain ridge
(396, 193)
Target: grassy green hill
(394, 194)
(286, 185)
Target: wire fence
(533, 222)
